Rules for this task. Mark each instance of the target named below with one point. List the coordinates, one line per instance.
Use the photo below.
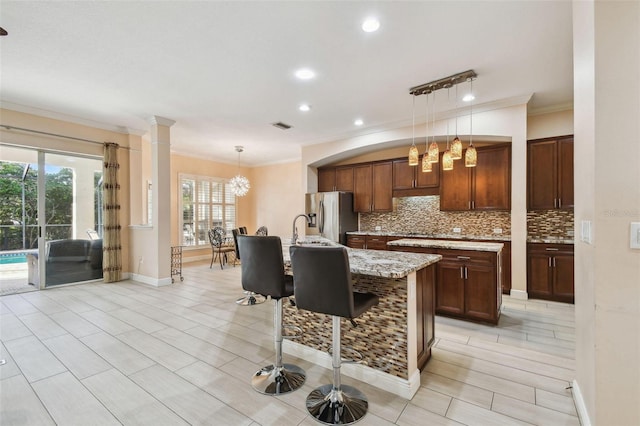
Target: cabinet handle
(554, 262)
(461, 272)
(464, 257)
(473, 205)
(551, 249)
(549, 262)
(466, 275)
(559, 203)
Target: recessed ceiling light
(370, 25)
(305, 74)
(304, 107)
(358, 122)
(468, 98)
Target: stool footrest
(251, 299)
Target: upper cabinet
(412, 181)
(484, 187)
(335, 179)
(373, 187)
(550, 174)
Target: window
(205, 202)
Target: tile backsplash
(550, 224)
(423, 215)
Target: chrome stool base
(272, 380)
(332, 406)
(251, 299)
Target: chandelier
(453, 152)
(239, 184)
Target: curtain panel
(112, 248)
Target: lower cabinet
(468, 285)
(550, 272)
(425, 296)
(370, 242)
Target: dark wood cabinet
(550, 173)
(357, 241)
(411, 181)
(369, 242)
(484, 187)
(425, 310)
(468, 285)
(550, 272)
(335, 179)
(373, 187)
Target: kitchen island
(394, 337)
(468, 279)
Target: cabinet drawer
(468, 257)
(376, 242)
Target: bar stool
(250, 298)
(322, 283)
(263, 273)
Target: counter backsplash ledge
(423, 215)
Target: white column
(606, 52)
(161, 193)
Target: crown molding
(70, 118)
(156, 120)
(551, 109)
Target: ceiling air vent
(281, 125)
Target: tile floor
(132, 354)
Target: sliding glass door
(61, 222)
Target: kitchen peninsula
(394, 337)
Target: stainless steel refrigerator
(331, 215)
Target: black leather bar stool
(250, 298)
(322, 282)
(263, 273)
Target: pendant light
(239, 184)
(447, 159)
(427, 166)
(413, 151)
(456, 145)
(434, 152)
(471, 156)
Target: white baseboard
(156, 282)
(583, 414)
(401, 387)
(519, 294)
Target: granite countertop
(550, 240)
(443, 244)
(492, 237)
(377, 263)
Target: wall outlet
(457, 230)
(378, 228)
(497, 230)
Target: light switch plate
(585, 231)
(457, 230)
(635, 235)
(378, 228)
(497, 230)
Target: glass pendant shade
(434, 153)
(447, 161)
(427, 166)
(456, 149)
(413, 156)
(471, 157)
(239, 185)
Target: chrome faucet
(294, 231)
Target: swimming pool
(7, 258)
